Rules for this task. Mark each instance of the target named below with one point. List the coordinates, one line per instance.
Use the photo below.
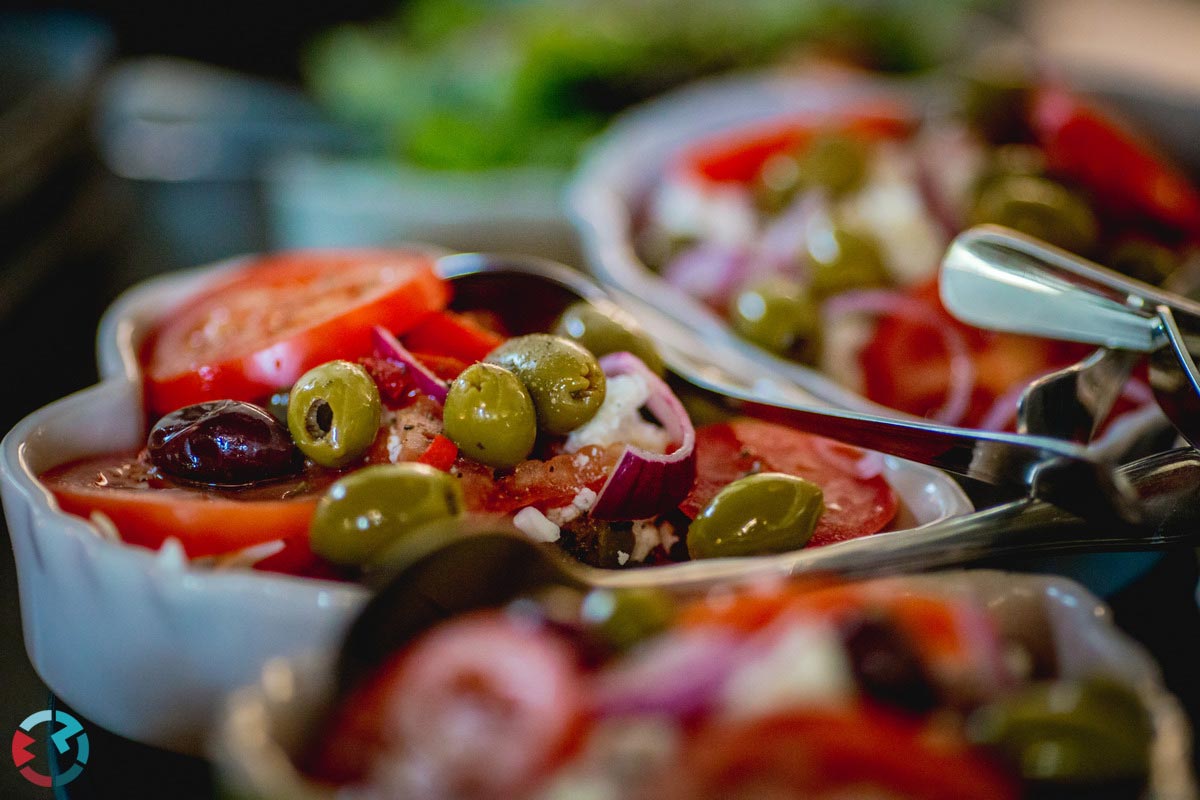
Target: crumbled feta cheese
(891, 208)
(580, 505)
(647, 536)
(622, 557)
(687, 209)
(393, 447)
(619, 421)
(805, 665)
(534, 524)
(844, 339)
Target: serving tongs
(1060, 473)
(999, 279)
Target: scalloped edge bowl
(142, 643)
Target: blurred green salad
(472, 84)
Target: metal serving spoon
(999, 279)
(1070, 403)
(446, 570)
(1058, 472)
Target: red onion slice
(389, 346)
(645, 484)
(709, 271)
(677, 675)
(962, 368)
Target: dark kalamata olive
(886, 664)
(223, 443)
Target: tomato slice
(282, 315)
(456, 335)
(738, 157)
(441, 454)
(481, 706)
(727, 451)
(859, 751)
(906, 366)
(1120, 169)
(147, 511)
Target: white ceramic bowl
(143, 643)
(265, 724)
(629, 159)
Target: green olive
(624, 617)
(1069, 732)
(835, 162)
(842, 260)
(765, 513)
(564, 380)
(778, 315)
(602, 332)
(490, 416)
(1010, 160)
(369, 510)
(333, 413)
(1144, 261)
(777, 183)
(1040, 208)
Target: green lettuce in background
(473, 84)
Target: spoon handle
(1003, 281)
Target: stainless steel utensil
(999, 279)
(1070, 403)
(441, 572)
(1058, 472)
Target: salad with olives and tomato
(824, 689)
(818, 238)
(309, 410)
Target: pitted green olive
(369, 510)
(1040, 208)
(778, 315)
(843, 259)
(765, 513)
(1094, 731)
(602, 333)
(835, 162)
(564, 380)
(333, 413)
(490, 416)
(624, 617)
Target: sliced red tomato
(739, 156)
(855, 751)
(1125, 175)
(456, 335)
(282, 315)
(481, 705)
(445, 367)
(727, 451)
(906, 365)
(146, 512)
(441, 453)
